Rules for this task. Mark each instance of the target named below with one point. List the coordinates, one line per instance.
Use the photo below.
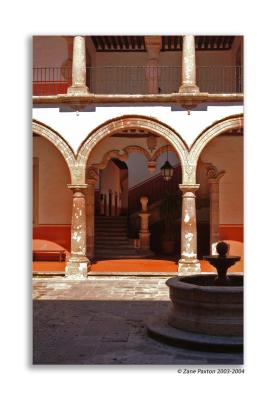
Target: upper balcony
(122, 65)
(134, 79)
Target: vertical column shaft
(188, 262)
(153, 45)
(144, 233)
(188, 84)
(214, 213)
(77, 263)
(78, 67)
(90, 219)
(214, 179)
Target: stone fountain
(206, 310)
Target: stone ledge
(185, 99)
(159, 329)
(100, 273)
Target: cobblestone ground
(102, 321)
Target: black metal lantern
(167, 170)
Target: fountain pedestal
(206, 311)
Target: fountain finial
(222, 262)
(222, 249)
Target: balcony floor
(132, 266)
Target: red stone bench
(43, 255)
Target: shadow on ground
(107, 332)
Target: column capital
(214, 175)
(153, 45)
(189, 188)
(78, 188)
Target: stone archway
(56, 139)
(217, 128)
(133, 122)
(121, 155)
(176, 143)
(233, 122)
(68, 158)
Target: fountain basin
(202, 315)
(199, 306)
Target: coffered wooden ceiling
(169, 43)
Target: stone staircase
(111, 241)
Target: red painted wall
(231, 232)
(60, 234)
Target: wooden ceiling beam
(132, 41)
(101, 42)
(175, 42)
(169, 42)
(120, 42)
(114, 42)
(126, 43)
(95, 42)
(107, 41)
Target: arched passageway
(144, 152)
(220, 175)
(84, 172)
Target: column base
(76, 90)
(189, 89)
(144, 240)
(77, 267)
(188, 267)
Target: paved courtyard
(101, 320)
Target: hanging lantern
(167, 170)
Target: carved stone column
(78, 68)
(213, 180)
(92, 176)
(188, 264)
(153, 45)
(77, 264)
(188, 84)
(144, 233)
(90, 219)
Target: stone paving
(101, 320)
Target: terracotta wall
(49, 51)
(54, 198)
(60, 234)
(110, 178)
(226, 153)
(231, 232)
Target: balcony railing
(135, 79)
(51, 80)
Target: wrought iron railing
(51, 80)
(220, 79)
(137, 79)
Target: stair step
(111, 218)
(109, 228)
(114, 242)
(106, 234)
(115, 246)
(115, 255)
